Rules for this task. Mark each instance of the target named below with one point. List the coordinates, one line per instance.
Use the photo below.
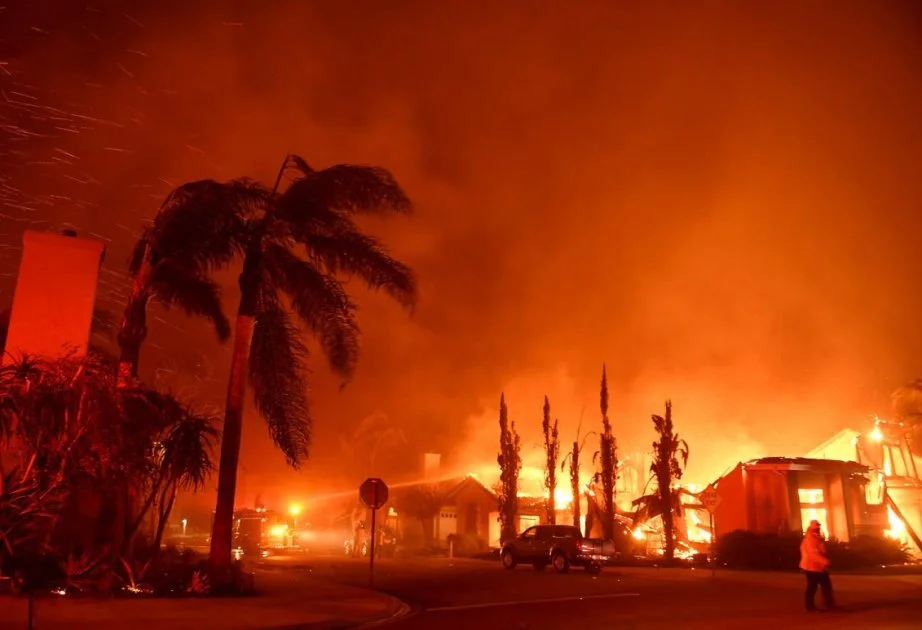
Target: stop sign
(373, 493)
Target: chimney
(55, 294)
(432, 465)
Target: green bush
(781, 552)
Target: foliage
(468, 545)
(28, 513)
(608, 464)
(79, 436)
(670, 456)
(178, 573)
(297, 244)
(162, 270)
(551, 454)
(781, 552)
(422, 501)
(510, 464)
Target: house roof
(804, 464)
(843, 441)
(468, 481)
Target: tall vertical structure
(55, 294)
(432, 466)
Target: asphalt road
(447, 594)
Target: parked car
(560, 546)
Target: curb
(402, 611)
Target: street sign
(709, 498)
(373, 493)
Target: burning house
(894, 485)
(782, 494)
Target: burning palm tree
(572, 458)
(670, 456)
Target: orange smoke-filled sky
(720, 200)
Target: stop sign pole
(710, 499)
(373, 492)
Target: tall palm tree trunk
(222, 531)
(133, 330)
(668, 526)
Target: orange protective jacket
(813, 553)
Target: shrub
(866, 551)
(466, 545)
(781, 552)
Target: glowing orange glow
(897, 530)
(876, 434)
(294, 509)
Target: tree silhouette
(608, 463)
(573, 459)
(670, 456)
(551, 455)
(294, 244)
(510, 464)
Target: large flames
(531, 484)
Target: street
(461, 593)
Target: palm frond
(299, 164)
(321, 303)
(188, 447)
(195, 293)
(202, 222)
(344, 187)
(277, 376)
(354, 253)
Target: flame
(897, 529)
(531, 484)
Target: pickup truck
(560, 546)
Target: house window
(810, 497)
(812, 508)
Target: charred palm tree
(608, 463)
(670, 456)
(551, 455)
(295, 244)
(572, 458)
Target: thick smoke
(717, 199)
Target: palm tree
(166, 266)
(313, 216)
(670, 456)
(572, 458)
(608, 463)
(178, 443)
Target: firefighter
(815, 564)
